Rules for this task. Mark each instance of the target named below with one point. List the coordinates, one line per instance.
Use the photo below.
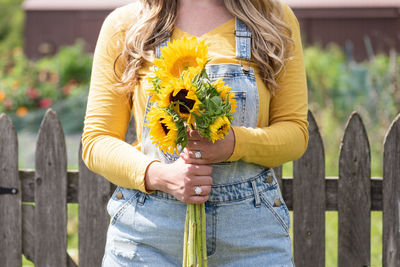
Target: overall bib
(247, 220)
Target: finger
(203, 180)
(189, 157)
(205, 190)
(194, 135)
(189, 160)
(192, 154)
(187, 153)
(194, 145)
(199, 170)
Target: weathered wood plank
(10, 199)
(28, 236)
(27, 180)
(51, 194)
(309, 201)
(94, 191)
(331, 188)
(354, 196)
(28, 231)
(391, 197)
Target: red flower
(32, 93)
(45, 102)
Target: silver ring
(198, 190)
(197, 154)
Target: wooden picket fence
(39, 231)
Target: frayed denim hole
(124, 248)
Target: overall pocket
(272, 200)
(245, 88)
(121, 200)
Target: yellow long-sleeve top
(281, 134)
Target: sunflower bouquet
(183, 97)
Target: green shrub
(71, 63)
(28, 88)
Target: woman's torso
(242, 80)
(221, 50)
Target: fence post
(51, 194)
(354, 195)
(94, 192)
(309, 201)
(10, 196)
(391, 196)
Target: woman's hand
(180, 179)
(200, 150)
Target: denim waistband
(235, 191)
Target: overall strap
(243, 40)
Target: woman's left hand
(200, 150)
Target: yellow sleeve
(286, 137)
(107, 116)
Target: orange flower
(2, 96)
(54, 78)
(22, 111)
(69, 87)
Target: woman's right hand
(180, 180)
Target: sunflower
(163, 129)
(225, 92)
(181, 55)
(182, 94)
(219, 128)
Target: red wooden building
(50, 24)
(364, 26)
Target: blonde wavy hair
(271, 37)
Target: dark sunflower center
(222, 128)
(181, 97)
(164, 126)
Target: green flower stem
(198, 235)
(185, 239)
(203, 234)
(192, 248)
(195, 249)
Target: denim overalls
(247, 219)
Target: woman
(254, 45)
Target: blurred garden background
(337, 85)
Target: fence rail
(39, 231)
